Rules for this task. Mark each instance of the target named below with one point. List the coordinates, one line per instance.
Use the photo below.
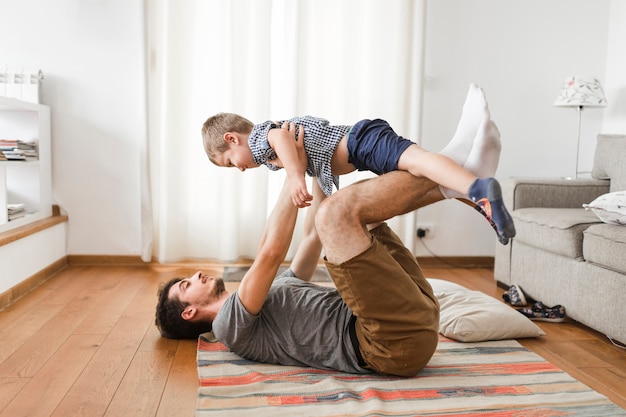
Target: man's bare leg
(342, 219)
(308, 254)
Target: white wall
(92, 56)
(615, 113)
(35, 252)
(519, 52)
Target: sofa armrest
(519, 193)
(546, 192)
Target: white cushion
(472, 316)
(610, 208)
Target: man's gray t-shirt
(301, 324)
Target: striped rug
(499, 378)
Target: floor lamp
(580, 92)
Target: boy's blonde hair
(215, 127)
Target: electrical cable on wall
(421, 233)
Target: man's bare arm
(274, 243)
(308, 254)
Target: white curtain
(265, 59)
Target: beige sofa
(564, 254)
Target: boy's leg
(397, 318)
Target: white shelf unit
(27, 182)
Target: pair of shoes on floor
(541, 312)
(515, 296)
(486, 194)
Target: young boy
(370, 145)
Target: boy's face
(238, 155)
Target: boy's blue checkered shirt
(320, 141)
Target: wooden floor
(84, 344)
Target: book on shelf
(17, 150)
(14, 155)
(16, 210)
(18, 215)
(13, 207)
(8, 144)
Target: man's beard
(220, 288)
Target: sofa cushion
(605, 245)
(557, 230)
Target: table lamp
(580, 91)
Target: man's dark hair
(168, 316)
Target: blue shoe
(487, 195)
(514, 296)
(540, 312)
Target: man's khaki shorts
(397, 313)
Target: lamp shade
(580, 91)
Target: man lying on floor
(382, 316)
